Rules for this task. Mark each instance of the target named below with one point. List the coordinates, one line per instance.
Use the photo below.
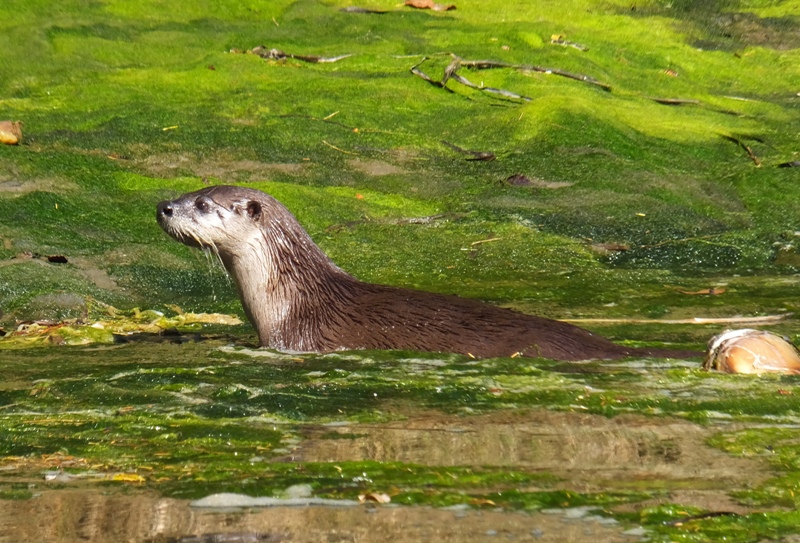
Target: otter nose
(164, 209)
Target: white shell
(752, 351)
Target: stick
(747, 149)
(340, 150)
(766, 319)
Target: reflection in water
(590, 451)
(94, 517)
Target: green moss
(125, 104)
(15, 492)
(776, 445)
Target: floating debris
(792, 164)
(752, 352)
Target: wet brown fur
(299, 300)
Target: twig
(507, 94)
(277, 54)
(675, 101)
(487, 64)
(560, 40)
(747, 149)
(451, 72)
(484, 241)
(766, 319)
(568, 75)
(357, 9)
(419, 73)
(485, 156)
(451, 69)
(340, 150)
(422, 75)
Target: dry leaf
(128, 478)
(10, 132)
(713, 291)
(429, 4)
(561, 39)
(374, 497)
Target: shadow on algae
(636, 158)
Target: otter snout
(168, 216)
(164, 209)
(194, 219)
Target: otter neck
(282, 277)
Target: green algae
(779, 447)
(227, 419)
(125, 104)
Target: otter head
(276, 266)
(219, 218)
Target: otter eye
(254, 210)
(202, 204)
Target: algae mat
(632, 162)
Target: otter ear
(254, 210)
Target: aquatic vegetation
(669, 194)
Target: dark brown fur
(299, 300)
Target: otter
(299, 300)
